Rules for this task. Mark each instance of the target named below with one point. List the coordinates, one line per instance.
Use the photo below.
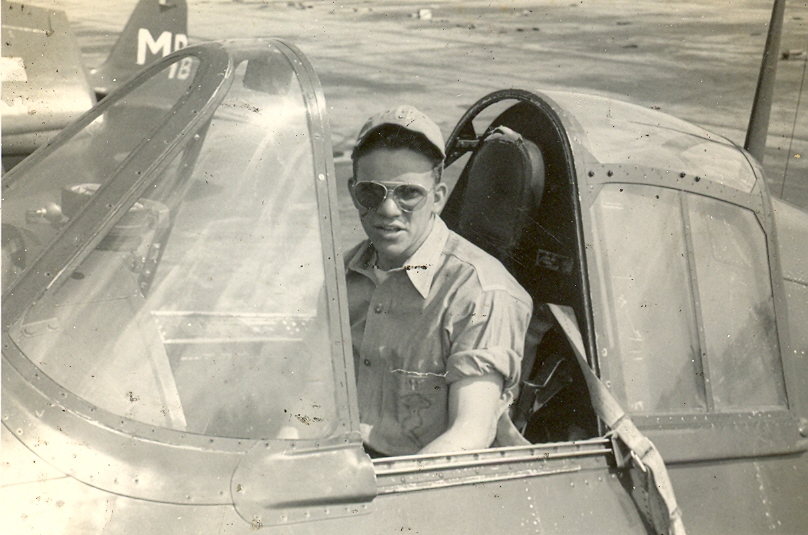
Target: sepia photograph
(376, 267)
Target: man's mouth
(389, 231)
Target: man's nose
(388, 208)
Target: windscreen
(687, 303)
(651, 343)
(204, 308)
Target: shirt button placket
(373, 333)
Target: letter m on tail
(161, 46)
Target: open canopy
(171, 275)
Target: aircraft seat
(498, 212)
(505, 180)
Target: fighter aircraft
(176, 350)
(45, 86)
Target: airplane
(176, 350)
(45, 86)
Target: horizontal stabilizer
(44, 86)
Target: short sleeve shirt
(451, 312)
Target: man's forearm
(458, 439)
(473, 414)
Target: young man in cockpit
(438, 325)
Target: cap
(407, 117)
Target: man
(438, 325)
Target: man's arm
(474, 408)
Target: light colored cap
(406, 117)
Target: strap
(609, 410)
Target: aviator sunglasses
(371, 194)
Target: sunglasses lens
(369, 194)
(409, 197)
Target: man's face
(395, 233)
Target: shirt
(452, 311)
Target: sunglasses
(408, 197)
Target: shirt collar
(420, 267)
(423, 263)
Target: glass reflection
(204, 310)
(687, 303)
(735, 294)
(652, 342)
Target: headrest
(505, 179)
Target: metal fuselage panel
(589, 498)
(752, 495)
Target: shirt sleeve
(487, 335)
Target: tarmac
(698, 61)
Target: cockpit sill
(413, 473)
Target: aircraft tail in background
(44, 87)
(155, 29)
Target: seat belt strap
(609, 410)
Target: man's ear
(441, 195)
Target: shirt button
(367, 362)
(378, 309)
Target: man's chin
(390, 251)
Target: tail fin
(155, 29)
